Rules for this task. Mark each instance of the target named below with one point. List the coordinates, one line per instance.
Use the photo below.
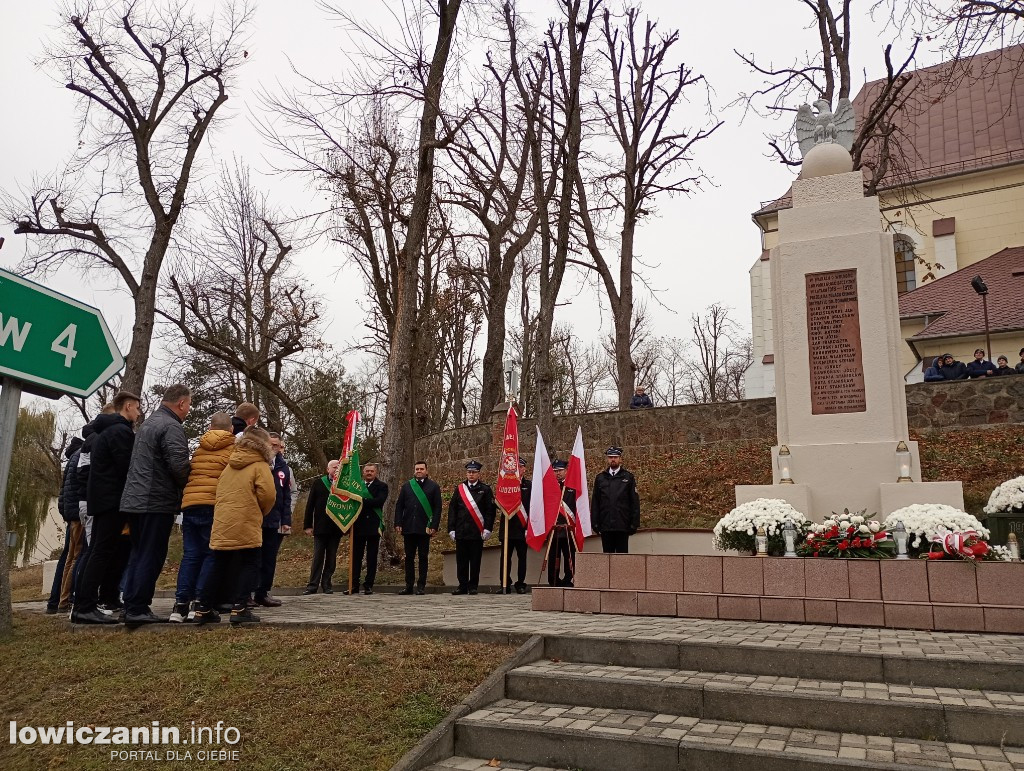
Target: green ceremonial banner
(346, 498)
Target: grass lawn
(300, 698)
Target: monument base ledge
(896, 495)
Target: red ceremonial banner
(507, 494)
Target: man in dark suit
(417, 517)
(470, 519)
(366, 529)
(615, 505)
(513, 529)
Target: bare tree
(491, 158)
(653, 157)
(556, 157)
(968, 27)
(395, 71)
(237, 300)
(151, 78)
(714, 371)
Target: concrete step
(881, 709)
(903, 660)
(603, 739)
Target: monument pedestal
(841, 403)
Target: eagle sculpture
(825, 127)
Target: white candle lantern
(785, 472)
(903, 458)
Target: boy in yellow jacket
(208, 463)
(245, 493)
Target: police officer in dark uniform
(615, 505)
(562, 559)
(470, 519)
(515, 531)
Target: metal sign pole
(10, 403)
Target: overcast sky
(703, 245)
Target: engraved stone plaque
(833, 341)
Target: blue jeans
(196, 559)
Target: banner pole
(504, 557)
(547, 552)
(351, 555)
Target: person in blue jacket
(276, 525)
(980, 367)
(933, 374)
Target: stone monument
(840, 401)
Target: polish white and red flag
(576, 478)
(545, 499)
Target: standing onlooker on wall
(1003, 366)
(110, 457)
(246, 492)
(152, 498)
(200, 494)
(933, 374)
(951, 369)
(1019, 369)
(417, 516)
(276, 525)
(980, 367)
(615, 504)
(326, 534)
(640, 400)
(74, 537)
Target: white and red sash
(470, 504)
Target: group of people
(945, 367)
(471, 515)
(124, 488)
(125, 485)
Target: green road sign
(51, 340)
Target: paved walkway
(511, 614)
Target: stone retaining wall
(930, 407)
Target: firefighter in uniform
(470, 519)
(562, 560)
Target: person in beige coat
(245, 493)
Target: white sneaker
(104, 610)
(179, 613)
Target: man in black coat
(67, 507)
(562, 559)
(417, 517)
(326, 534)
(110, 457)
(615, 505)
(366, 530)
(470, 519)
(514, 530)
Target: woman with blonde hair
(245, 493)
